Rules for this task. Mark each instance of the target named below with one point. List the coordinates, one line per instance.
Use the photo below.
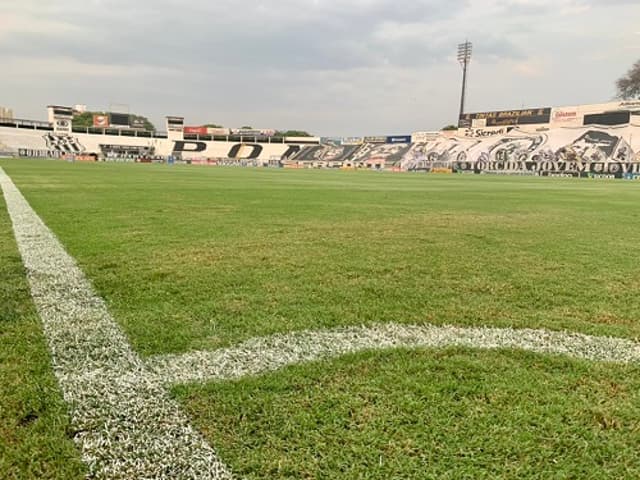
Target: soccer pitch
(241, 265)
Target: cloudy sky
(332, 67)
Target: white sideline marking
(127, 426)
(260, 355)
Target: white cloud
(331, 66)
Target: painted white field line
(127, 426)
(260, 355)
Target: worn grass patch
(200, 258)
(35, 436)
(447, 414)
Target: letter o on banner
(245, 150)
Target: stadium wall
(578, 151)
(36, 142)
(486, 124)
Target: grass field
(202, 258)
(35, 437)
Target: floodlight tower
(464, 57)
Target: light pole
(464, 57)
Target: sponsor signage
(137, 123)
(399, 139)
(218, 131)
(424, 137)
(35, 153)
(609, 118)
(352, 140)
(62, 126)
(565, 116)
(100, 121)
(246, 132)
(506, 118)
(119, 119)
(378, 139)
(130, 149)
(484, 132)
(196, 130)
(613, 113)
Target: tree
(147, 123)
(449, 127)
(628, 86)
(293, 133)
(85, 120)
(213, 125)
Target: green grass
(34, 426)
(199, 258)
(449, 414)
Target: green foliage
(85, 120)
(449, 128)
(213, 125)
(293, 133)
(147, 123)
(628, 86)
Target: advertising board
(196, 130)
(119, 119)
(100, 121)
(505, 118)
(424, 137)
(399, 139)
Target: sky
(330, 67)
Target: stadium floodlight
(464, 58)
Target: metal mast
(464, 57)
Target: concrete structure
(6, 113)
(483, 124)
(522, 142)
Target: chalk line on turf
(260, 355)
(126, 425)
